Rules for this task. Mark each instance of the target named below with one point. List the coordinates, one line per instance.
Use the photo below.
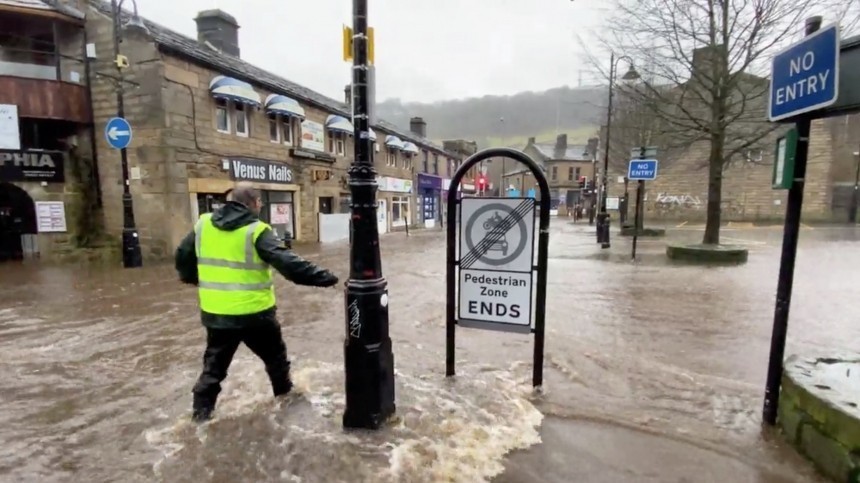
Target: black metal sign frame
(453, 263)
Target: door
(17, 223)
(382, 217)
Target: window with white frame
(240, 112)
(392, 157)
(399, 210)
(407, 160)
(274, 128)
(287, 129)
(222, 116)
(337, 142)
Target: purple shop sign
(426, 181)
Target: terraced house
(204, 118)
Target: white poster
(10, 137)
(51, 216)
(313, 136)
(280, 214)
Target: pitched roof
(46, 5)
(235, 67)
(574, 152)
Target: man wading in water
(228, 256)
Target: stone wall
(818, 413)
(680, 192)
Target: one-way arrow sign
(118, 133)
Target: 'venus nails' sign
(261, 171)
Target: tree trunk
(715, 190)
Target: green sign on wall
(783, 165)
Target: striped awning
(339, 123)
(230, 89)
(393, 142)
(410, 148)
(285, 106)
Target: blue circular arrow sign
(118, 133)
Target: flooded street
(654, 372)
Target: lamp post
(368, 358)
(131, 255)
(603, 216)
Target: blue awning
(393, 142)
(339, 123)
(285, 106)
(230, 89)
(410, 148)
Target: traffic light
(482, 183)
(582, 182)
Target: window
(241, 113)
(326, 205)
(287, 129)
(576, 173)
(452, 167)
(222, 116)
(399, 210)
(435, 164)
(554, 173)
(274, 128)
(336, 143)
(392, 157)
(753, 155)
(407, 160)
(425, 167)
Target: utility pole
(368, 357)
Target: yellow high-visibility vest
(232, 279)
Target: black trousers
(264, 339)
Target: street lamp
(368, 358)
(131, 256)
(603, 216)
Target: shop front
(395, 194)
(274, 179)
(429, 199)
(32, 201)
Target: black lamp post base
(603, 229)
(131, 255)
(368, 356)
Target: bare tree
(705, 63)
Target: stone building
(49, 191)
(204, 118)
(680, 191)
(564, 165)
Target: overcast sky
(425, 50)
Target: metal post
(368, 358)
(786, 267)
(640, 188)
(131, 255)
(602, 217)
(855, 196)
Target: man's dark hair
(245, 193)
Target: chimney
(593, 144)
(220, 29)
(418, 126)
(560, 146)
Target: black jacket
(233, 216)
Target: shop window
(278, 211)
(241, 113)
(274, 128)
(392, 157)
(222, 116)
(554, 173)
(209, 202)
(287, 128)
(336, 143)
(399, 210)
